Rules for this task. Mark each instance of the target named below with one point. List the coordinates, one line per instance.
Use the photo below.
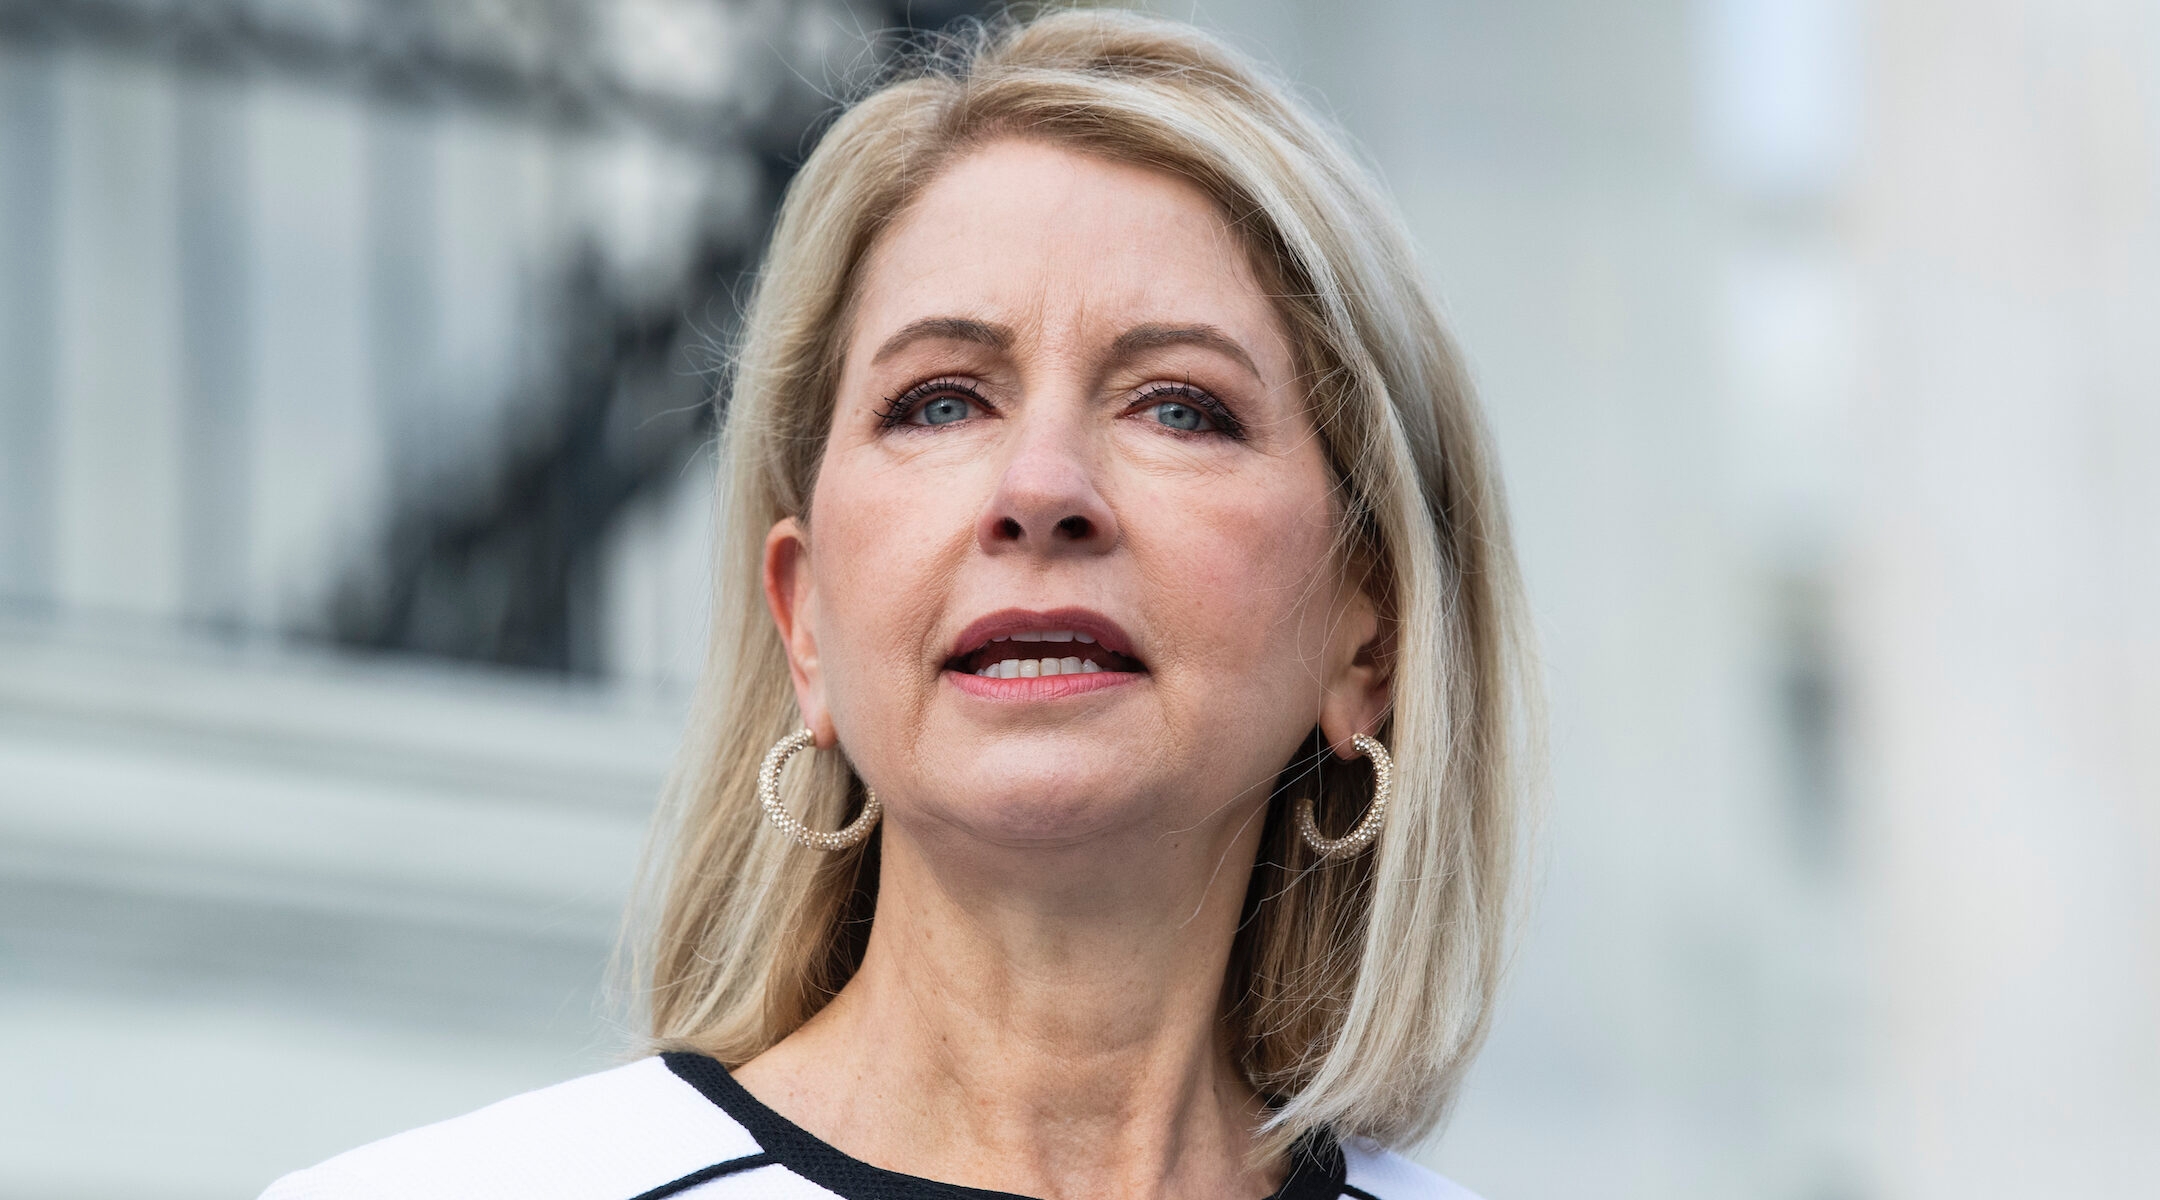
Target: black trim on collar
(802, 1152)
(1317, 1167)
(748, 1162)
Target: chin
(1046, 807)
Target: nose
(1047, 501)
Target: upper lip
(983, 630)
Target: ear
(792, 596)
(1359, 654)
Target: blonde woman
(1099, 785)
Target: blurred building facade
(352, 523)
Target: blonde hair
(1358, 990)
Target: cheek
(882, 552)
(1246, 563)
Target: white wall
(2007, 598)
(256, 909)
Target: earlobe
(791, 595)
(1359, 688)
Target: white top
(679, 1125)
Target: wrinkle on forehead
(1064, 257)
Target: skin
(1061, 878)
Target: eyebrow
(1132, 343)
(1142, 338)
(947, 329)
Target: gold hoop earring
(768, 794)
(1368, 826)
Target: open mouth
(1034, 654)
(1044, 645)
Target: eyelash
(1226, 422)
(897, 409)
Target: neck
(1039, 1021)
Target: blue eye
(935, 402)
(1181, 416)
(944, 411)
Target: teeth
(1081, 637)
(1027, 637)
(1038, 668)
(1062, 635)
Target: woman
(1108, 796)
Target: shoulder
(1372, 1170)
(601, 1137)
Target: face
(1069, 571)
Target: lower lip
(1054, 687)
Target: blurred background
(353, 517)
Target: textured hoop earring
(768, 794)
(1368, 826)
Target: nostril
(1009, 528)
(1075, 527)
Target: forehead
(1059, 242)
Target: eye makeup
(1226, 422)
(900, 410)
(897, 410)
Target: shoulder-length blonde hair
(1358, 990)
